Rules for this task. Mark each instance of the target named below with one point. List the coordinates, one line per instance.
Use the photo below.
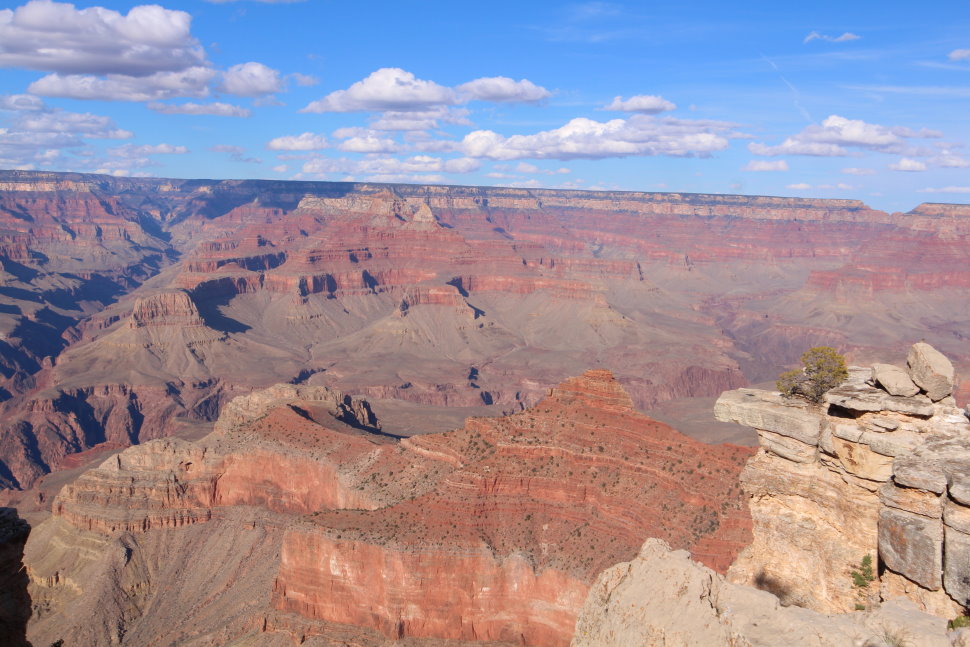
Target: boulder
(894, 380)
(930, 370)
(911, 545)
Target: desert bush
(823, 368)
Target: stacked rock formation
(881, 469)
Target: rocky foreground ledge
(881, 468)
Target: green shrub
(823, 368)
(863, 576)
(958, 622)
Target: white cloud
(251, 80)
(305, 80)
(801, 186)
(281, 168)
(57, 37)
(391, 167)
(149, 149)
(946, 159)
(368, 144)
(421, 119)
(845, 37)
(20, 102)
(945, 189)
(303, 142)
(645, 103)
(115, 87)
(387, 89)
(39, 137)
(502, 89)
(218, 109)
(858, 171)
(765, 165)
(585, 138)
(960, 55)
(836, 135)
(907, 164)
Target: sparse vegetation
(823, 368)
(863, 576)
(958, 623)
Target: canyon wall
(492, 532)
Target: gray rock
(922, 473)
(912, 546)
(894, 380)
(879, 423)
(930, 370)
(770, 412)
(956, 574)
(865, 399)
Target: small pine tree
(863, 576)
(823, 368)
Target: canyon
(436, 415)
(136, 308)
(315, 524)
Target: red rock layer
(509, 540)
(491, 532)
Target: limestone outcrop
(664, 598)
(870, 472)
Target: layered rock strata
(492, 532)
(870, 472)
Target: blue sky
(864, 100)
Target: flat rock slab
(769, 411)
(895, 380)
(930, 370)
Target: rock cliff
(491, 532)
(871, 472)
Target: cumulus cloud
(502, 89)
(218, 109)
(836, 135)
(585, 138)
(57, 37)
(800, 186)
(39, 136)
(858, 171)
(419, 120)
(389, 88)
(845, 37)
(960, 55)
(251, 80)
(645, 103)
(364, 140)
(191, 82)
(907, 164)
(302, 142)
(20, 102)
(393, 90)
(765, 165)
